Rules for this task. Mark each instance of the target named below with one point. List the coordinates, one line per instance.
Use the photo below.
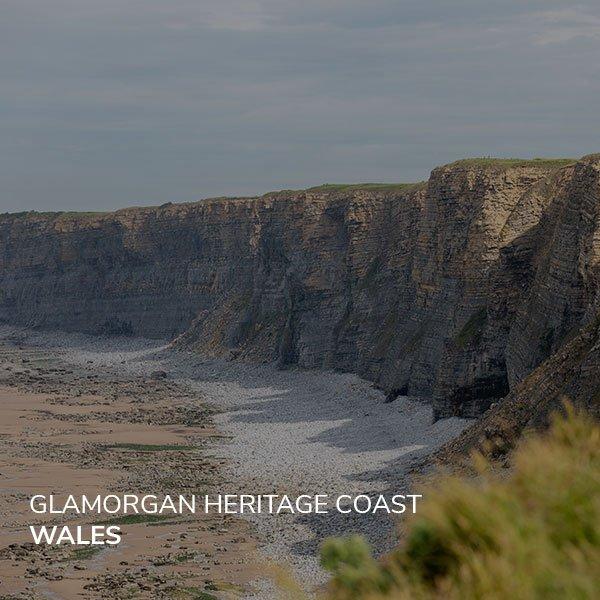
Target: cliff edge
(455, 289)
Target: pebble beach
(282, 432)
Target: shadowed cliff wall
(454, 289)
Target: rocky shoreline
(68, 427)
(263, 430)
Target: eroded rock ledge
(456, 288)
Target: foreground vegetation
(530, 534)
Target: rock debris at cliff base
(279, 432)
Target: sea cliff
(454, 289)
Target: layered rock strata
(454, 289)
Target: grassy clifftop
(372, 187)
(483, 162)
(507, 163)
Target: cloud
(562, 26)
(113, 103)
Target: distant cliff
(454, 289)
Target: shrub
(530, 534)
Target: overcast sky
(110, 103)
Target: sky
(113, 103)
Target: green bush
(353, 566)
(531, 533)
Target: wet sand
(70, 430)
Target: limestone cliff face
(142, 271)
(570, 375)
(454, 289)
(565, 278)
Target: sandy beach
(251, 429)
